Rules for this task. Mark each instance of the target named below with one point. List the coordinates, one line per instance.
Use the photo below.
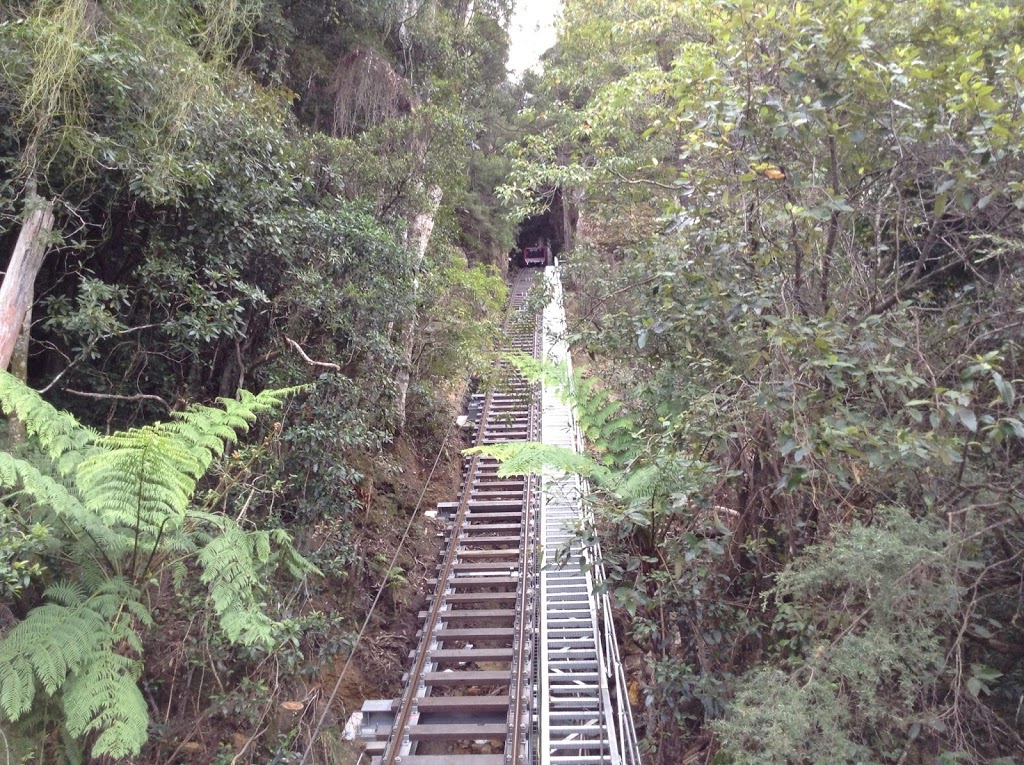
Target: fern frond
(296, 565)
(233, 563)
(66, 441)
(66, 594)
(597, 417)
(229, 569)
(141, 481)
(261, 545)
(642, 483)
(127, 494)
(176, 541)
(68, 645)
(20, 474)
(208, 429)
(52, 642)
(535, 370)
(51, 495)
(105, 697)
(525, 457)
(17, 688)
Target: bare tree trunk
(418, 237)
(17, 292)
(19, 359)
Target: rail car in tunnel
(536, 242)
(542, 237)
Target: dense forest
(798, 288)
(294, 198)
(255, 251)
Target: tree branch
(909, 289)
(643, 181)
(833, 224)
(798, 250)
(308, 360)
(118, 397)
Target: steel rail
(542, 677)
(391, 754)
(518, 704)
(523, 678)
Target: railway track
(509, 666)
(468, 692)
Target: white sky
(532, 33)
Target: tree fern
(230, 568)
(120, 506)
(104, 698)
(208, 430)
(233, 566)
(603, 421)
(54, 641)
(641, 483)
(65, 440)
(139, 482)
(53, 502)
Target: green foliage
(119, 510)
(864, 679)
(526, 457)
(18, 550)
(802, 288)
(610, 431)
(70, 647)
(458, 322)
(63, 439)
(205, 229)
(230, 569)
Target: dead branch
(118, 397)
(308, 360)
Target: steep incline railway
(516, 662)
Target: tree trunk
(17, 292)
(418, 238)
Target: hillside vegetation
(800, 296)
(294, 198)
(255, 249)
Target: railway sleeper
(480, 597)
(449, 759)
(468, 655)
(466, 614)
(456, 732)
(466, 678)
(472, 582)
(474, 633)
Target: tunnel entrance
(546, 235)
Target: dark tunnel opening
(544, 236)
